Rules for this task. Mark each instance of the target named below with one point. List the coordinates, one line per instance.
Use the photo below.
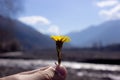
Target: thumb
(55, 73)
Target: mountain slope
(27, 37)
(103, 34)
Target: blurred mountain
(25, 36)
(99, 35)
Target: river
(94, 71)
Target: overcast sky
(64, 16)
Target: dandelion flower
(61, 38)
(59, 42)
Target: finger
(54, 73)
(44, 68)
(34, 71)
(61, 70)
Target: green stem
(59, 55)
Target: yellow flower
(61, 38)
(59, 42)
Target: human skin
(45, 73)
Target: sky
(60, 17)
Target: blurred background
(92, 25)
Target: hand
(45, 73)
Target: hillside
(102, 34)
(24, 35)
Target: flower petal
(61, 38)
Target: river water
(80, 69)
